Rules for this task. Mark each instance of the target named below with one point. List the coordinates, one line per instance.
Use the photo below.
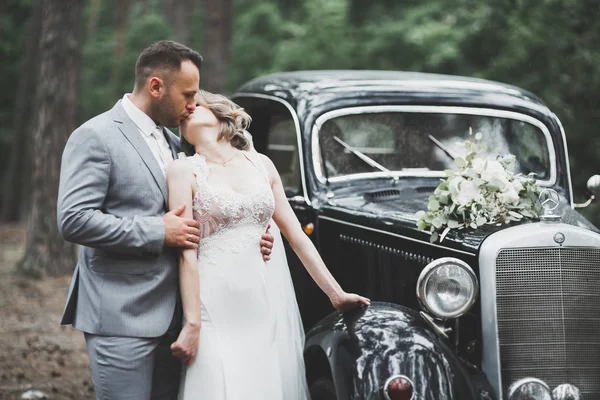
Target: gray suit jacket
(111, 200)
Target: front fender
(366, 347)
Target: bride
(242, 337)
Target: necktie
(163, 148)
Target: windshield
(424, 144)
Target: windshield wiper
(368, 160)
(442, 147)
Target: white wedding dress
(251, 337)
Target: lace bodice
(230, 221)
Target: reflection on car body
(493, 313)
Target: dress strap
(201, 169)
(253, 156)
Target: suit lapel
(131, 132)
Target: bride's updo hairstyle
(234, 120)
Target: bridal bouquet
(483, 190)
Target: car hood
(397, 215)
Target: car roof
(311, 84)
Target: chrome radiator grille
(548, 305)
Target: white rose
(517, 185)
(454, 185)
(468, 192)
(510, 196)
(478, 165)
(494, 170)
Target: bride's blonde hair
(234, 120)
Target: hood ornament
(549, 200)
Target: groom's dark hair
(164, 55)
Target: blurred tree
(259, 28)
(216, 40)
(57, 97)
(16, 200)
(122, 17)
(95, 7)
(179, 16)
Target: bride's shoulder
(268, 164)
(265, 159)
(180, 168)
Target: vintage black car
(500, 312)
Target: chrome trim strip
(485, 112)
(419, 84)
(298, 136)
(392, 234)
(530, 235)
(570, 183)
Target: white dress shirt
(152, 134)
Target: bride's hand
(347, 301)
(186, 345)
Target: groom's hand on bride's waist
(179, 231)
(266, 244)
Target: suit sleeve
(84, 181)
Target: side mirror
(593, 186)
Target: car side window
(274, 134)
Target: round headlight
(566, 392)
(529, 389)
(447, 287)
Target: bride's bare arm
(290, 227)
(181, 182)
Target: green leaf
(453, 224)
(515, 215)
(444, 233)
(433, 205)
(494, 185)
(460, 162)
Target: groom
(112, 201)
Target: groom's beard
(164, 112)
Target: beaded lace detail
(230, 221)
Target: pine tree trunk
(16, 199)
(179, 13)
(216, 41)
(57, 94)
(95, 11)
(122, 16)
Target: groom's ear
(156, 86)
